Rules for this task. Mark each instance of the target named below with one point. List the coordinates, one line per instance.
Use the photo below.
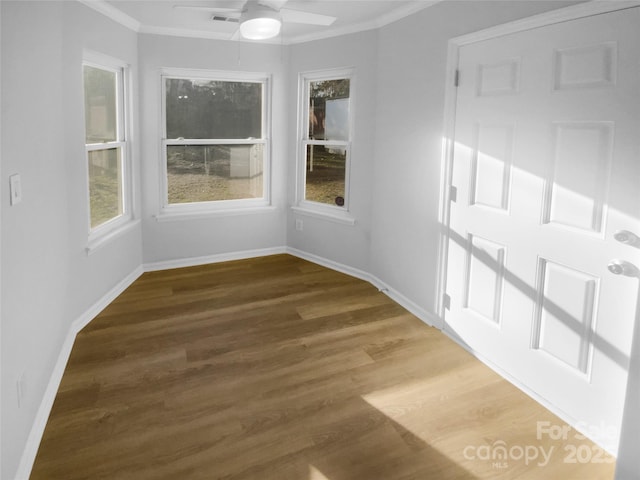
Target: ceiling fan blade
(225, 11)
(275, 4)
(296, 16)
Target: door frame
(573, 12)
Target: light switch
(15, 189)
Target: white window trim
(181, 211)
(316, 209)
(104, 233)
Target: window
(215, 144)
(325, 141)
(105, 143)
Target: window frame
(169, 211)
(103, 232)
(340, 214)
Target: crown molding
(402, 12)
(131, 23)
(184, 32)
(113, 13)
(393, 16)
(572, 12)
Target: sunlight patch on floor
(315, 474)
(408, 402)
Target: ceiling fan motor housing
(258, 22)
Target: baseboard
(339, 267)
(432, 320)
(42, 415)
(427, 317)
(566, 417)
(221, 257)
(396, 296)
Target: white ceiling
(161, 16)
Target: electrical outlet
(21, 388)
(299, 224)
(15, 189)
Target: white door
(546, 170)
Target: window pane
(325, 176)
(213, 109)
(100, 111)
(204, 173)
(105, 185)
(329, 110)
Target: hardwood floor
(276, 368)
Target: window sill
(172, 215)
(337, 217)
(100, 241)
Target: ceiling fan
(262, 19)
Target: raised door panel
(565, 314)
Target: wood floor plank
(277, 368)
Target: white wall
(48, 280)
(346, 244)
(214, 235)
(412, 55)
